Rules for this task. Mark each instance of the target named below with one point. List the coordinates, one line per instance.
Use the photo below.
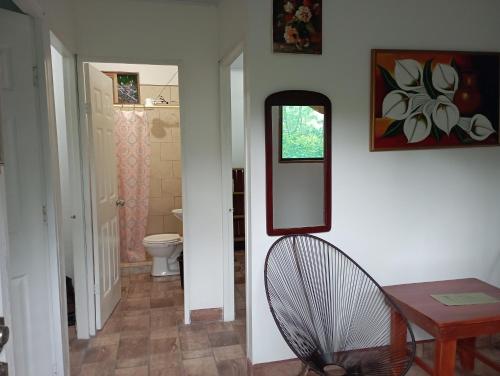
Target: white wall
(237, 118)
(62, 149)
(61, 18)
(231, 24)
(148, 74)
(187, 35)
(405, 216)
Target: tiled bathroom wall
(166, 185)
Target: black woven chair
(331, 313)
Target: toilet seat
(162, 239)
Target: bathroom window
(302, 134)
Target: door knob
(4, 333)
(120, 203)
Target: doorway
(133, 167)
(234, 193)
(238, 178)
(72, 242)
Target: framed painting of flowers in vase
(434, 99)
(297, 26)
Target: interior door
(5, 317)
(28, 256)
(104, 182)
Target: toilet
(164, 248)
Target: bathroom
(148, 153)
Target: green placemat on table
(462, 299)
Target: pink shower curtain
(133, 151)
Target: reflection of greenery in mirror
(302, 133)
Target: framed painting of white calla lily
(434, 99)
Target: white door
(99, 97)
(28, 263)
(5, 351)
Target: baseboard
(287, 364)
(206, 315)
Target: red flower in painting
(317, 9)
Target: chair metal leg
(304, 371)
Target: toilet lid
(162, 238)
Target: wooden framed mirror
(298, 162)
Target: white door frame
(227, 180)
(76, 183)
(7, 352)
(58, 331)
(84, 142)
(57, 274)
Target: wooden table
(455, 328)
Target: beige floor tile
(194, 354)
(232, 367)
(168, 332)
(219, 339)
(165, 360)
(135, 371)
(164, 346)
(146, 336)
(100, 354)
(194, 342)
(135, 323)
(228, 352)
(97, 369)
(133, 352)
(105, 339)
(200, 367)
(132, 304)
(175, 371)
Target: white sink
(178, 214)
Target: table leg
(398, 341)
(466, 353)
(444, 364)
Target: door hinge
(96, 289)
(86, 108)
(44, 214)
(36, 76)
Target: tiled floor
(490, 347)
(145, 336)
